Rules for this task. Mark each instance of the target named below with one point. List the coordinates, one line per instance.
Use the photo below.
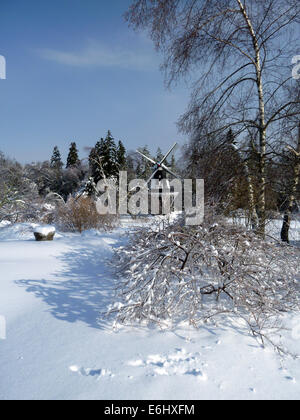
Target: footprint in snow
(178, 363)
(290, 378)
(136, 363)
(91, 372)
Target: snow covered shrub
(197, 274)
(19, 198)
(80, 214)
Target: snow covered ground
(274, 228)
(56, 347)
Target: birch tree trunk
(252, 209)
(262, 126)
(253, 217)
(291, 200)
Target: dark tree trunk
(286, 228)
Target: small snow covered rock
(4, 223)
(44, 233)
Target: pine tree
(159, 155)
(130, 167)
(146, 167)
(104, 158)
(96, 161)
(90, 188)
(73, 159)
(56, 162)
(173, 164)
(121, 156)
(110, 162)
(138, 170)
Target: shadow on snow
(82, 290)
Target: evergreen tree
(173, 164)
(138, 170)
(159, 155)
(56, 175)
(96, 160)
(90, 187)
(145, 167)
(121, 156)
(130, 167)
(73, 159)
(106, 158)
(56, 162)
(110, 158)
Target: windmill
(158, 179)
(160, 170)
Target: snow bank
(23, 231)
(273, 227)
(18, 231)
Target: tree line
(23, 188)
(242, 122)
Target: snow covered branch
(201, 273)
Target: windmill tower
(158, 180)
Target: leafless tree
(18, 194)
(239, 52)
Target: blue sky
(75, 70)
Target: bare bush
(80, 214)
(197, 274)
(19, 199)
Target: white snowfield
(58, 347)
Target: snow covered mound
(17, 232)
(44, 230)
(23, 231)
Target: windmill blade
(146, 157)
(168, 154)
(149, 180)
(152, 176)
(170, 172)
